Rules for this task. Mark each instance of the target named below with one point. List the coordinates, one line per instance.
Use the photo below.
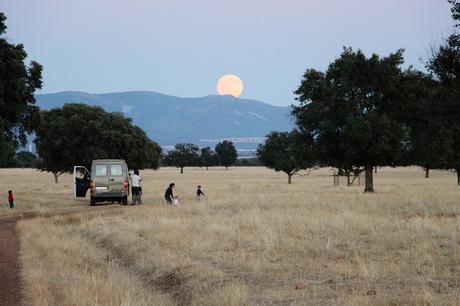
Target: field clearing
(253, 241)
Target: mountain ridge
(169, 120)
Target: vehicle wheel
(92, 202)
(124, 201)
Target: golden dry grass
(254, 241)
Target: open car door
(81, 180)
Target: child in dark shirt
(199, 193)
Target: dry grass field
(253, 241)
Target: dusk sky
(182, 48)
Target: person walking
(169, 196)
(11, 198)
(136, 188)
(199, 193)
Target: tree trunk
(207, 168)
(427, 172)
(369, 179)
(56, 177)
(226, 167)
(181, 170)
(458, 176)
(376, 169)
(349, 180)
(289, 178)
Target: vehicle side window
(101, 170)
(116, 170)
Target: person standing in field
(199, 193)
(140, 190)
(169, 196)
(11, 198)
(136, 188)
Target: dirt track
(10, 280)
(10, 288)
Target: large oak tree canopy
(351, 111)
(76, 134)
(18, 81)
(445, 66)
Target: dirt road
(10, 280)
(10, 288)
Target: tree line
(364, 112)
(189, 155)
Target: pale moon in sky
(230, 85)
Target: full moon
(230, 85)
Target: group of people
(136, 190)
(174, 200)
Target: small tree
(76, 134)
(287, 152)
(208, 158)
(18, 113)
(227, 153)
(183, 155)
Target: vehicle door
(116, 178)
(100, 177)
(81, 180)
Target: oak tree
(445, 66)
(289, 152)
(351, 111)
(76, 134)
(18, 81)
(227, 153)
(183, 155)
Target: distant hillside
(169, 120)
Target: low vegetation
(253, 240)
